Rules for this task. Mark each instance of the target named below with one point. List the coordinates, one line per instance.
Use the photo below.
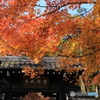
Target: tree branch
(68, 3)
(57, 8)
(89, 53)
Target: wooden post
(8, 94)
(6, 89)
(62, 91)
(62, 95)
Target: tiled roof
(17, 62)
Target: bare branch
(68, 3)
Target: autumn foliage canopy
(25, 30)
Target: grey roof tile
(18, 62)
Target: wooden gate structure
(12, 80)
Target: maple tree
(24, 30)
(36, 96)
(97, 79)
(33, 96)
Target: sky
(73, 12)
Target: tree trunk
(96, 91)
(83, 89)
